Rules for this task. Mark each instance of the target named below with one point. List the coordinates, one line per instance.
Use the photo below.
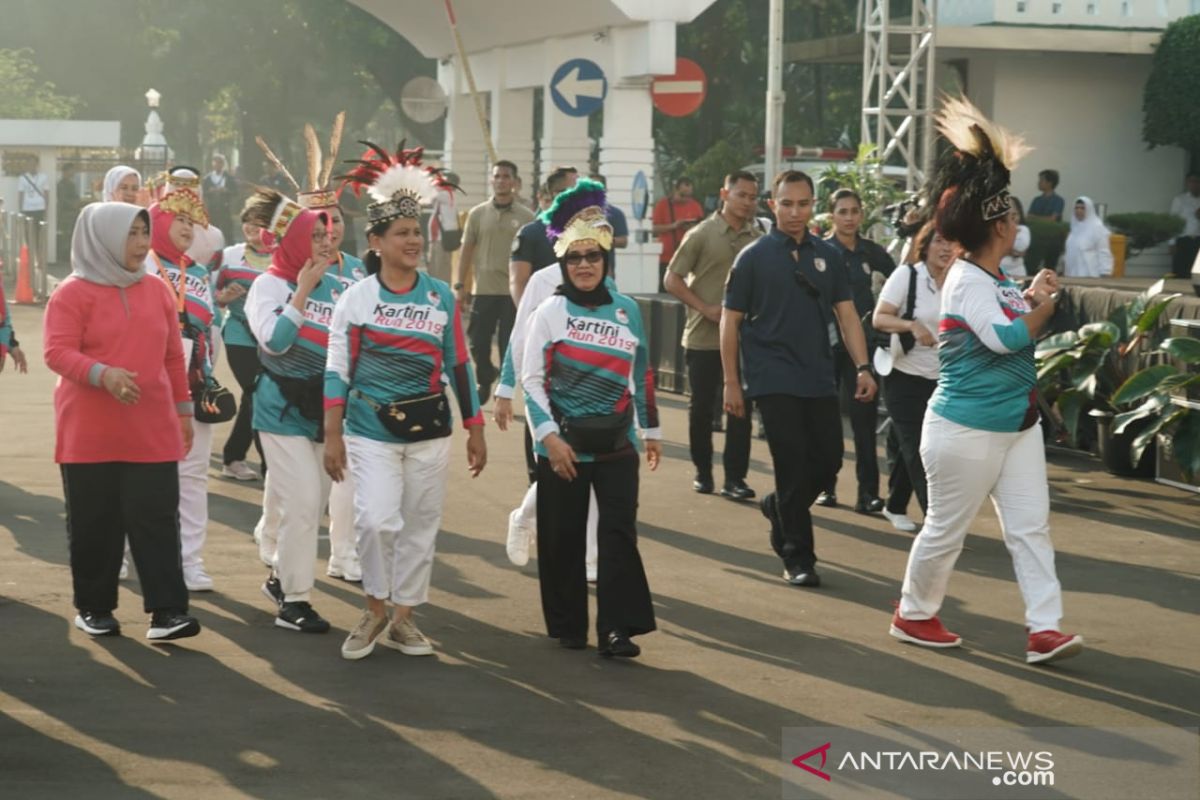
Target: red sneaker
(925, 632)
(1047, 646)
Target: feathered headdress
(271, 211)
(318, 193)
(981, 163)
(577, 214)
(397, 184)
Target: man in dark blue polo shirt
(787, 296)
(531, 249)
(861, 258)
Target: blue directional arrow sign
(641, 195)
(578, 87)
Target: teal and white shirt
(587, 362)
(388, 346)
(348, 269)
(987, 377)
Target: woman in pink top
(123, 419)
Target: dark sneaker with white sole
(300, 616)
(168, 625)
(618, 644)
(98, 623)
(272, 589)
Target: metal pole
(930, 90)
(466, 67)
(775, 97)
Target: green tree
(1171, 103)
(23, 96)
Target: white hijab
(1088, 254)
(98, 244)
(113, 179)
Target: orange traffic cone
(24, 280)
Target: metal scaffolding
(898, 85)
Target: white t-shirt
(922, 360)
(33, 186)
(1184, 206)
(1014, 266)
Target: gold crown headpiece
(185, 203)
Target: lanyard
(180, 293)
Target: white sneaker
(239, 471)
(124, 573)
(196, 579)
(519, 538)
(348, 570)
(900, 522)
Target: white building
(514, 48)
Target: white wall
(1083, 116)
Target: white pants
(528, 516)
(397, 511)
(964, 466)
(343, 549)
(193, 494)
(266, 531)
(295, 496)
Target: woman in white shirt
(914, 374)
(1013, 264)
(1089, 254)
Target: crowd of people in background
(343, 363)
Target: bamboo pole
(466, 67)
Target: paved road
(249, 710)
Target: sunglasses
(591, 256)
(804, 283)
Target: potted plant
(1082, 372)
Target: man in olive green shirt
(483, 271)
(697, 275)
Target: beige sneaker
(405, 636)
(361, 640)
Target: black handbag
(598, 435)
(451, 240)
(214, 403)
(413, 419)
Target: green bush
(1145, 229)
(1047, 239)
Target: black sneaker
(737, 490)
(98, 623)
(273, 590)
(619, 645)
(869, 505)
(802, 577)
(827, 499)
(168, 625)
(300, 616)
(703, 484)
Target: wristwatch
(865, 368)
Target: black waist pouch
(306, 395)
(414, 419)
(599, 435)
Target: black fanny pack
(214, 403)
(413, 419)
(599, 435)
(306, 395)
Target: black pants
(907, 397)
(622, 593)
(492, 315)
(900, 488)
(244, 362)
(530, 457)
(863, 419)
(1184, 256)
(805, 437)
(105, 502)
(705, 378)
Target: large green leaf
(1070, 405)
(1143, 439)
(1100, 334)
(1153, 405)
(1185, 348)
(1084, 374)
(1055, 364)
(1059, 341)
(1149, 318)
(1185, 442)
(1143, 383)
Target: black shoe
(827, 499)
(703, 484)
(167, 625)
(769, 506)
(300, 616)
(620, 645)
(869, 505)
(802, 577)
(737, 490)
(273, 590)
(98, 623)
(573, 642)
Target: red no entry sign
(682, 93)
